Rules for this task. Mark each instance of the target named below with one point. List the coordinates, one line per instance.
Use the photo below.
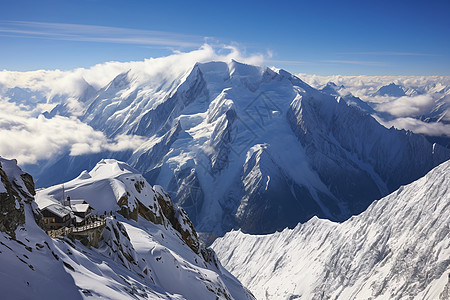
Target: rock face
(398, 248)
(16, 191)
(28, 257)
(179, 219)
(237, 145)
(117, 245)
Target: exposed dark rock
(11, 206)
(125, 210)
(179, 219)
(147, 214)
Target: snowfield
(399, 248)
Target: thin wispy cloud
(287, 62)
(100, 34)
(354, 62)
(390, 53)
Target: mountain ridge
(397, 248)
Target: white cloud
(418, 126)
(31, 139)
(407, 106)
(363, 85)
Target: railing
(88, 226)
(64, 231)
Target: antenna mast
(63, 202)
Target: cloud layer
(418, 126)
(31, 139)
(407, 106)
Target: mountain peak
(392, 90)
(244, 70)
(111, 168)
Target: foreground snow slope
(399, 248)
(151, 252)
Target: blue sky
(315, 37)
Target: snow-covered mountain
(252, 147)
(440, 111)
(147, 250)
(399, 248)
(391, 90)
(332, 89)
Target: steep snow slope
(152, 254)
(240, 146)
(28, 262)
(399, 248)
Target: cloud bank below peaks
(32, 139)
(425, 95)
(407, 106)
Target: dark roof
(57, 210)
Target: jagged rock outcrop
(179, 219)
(116, 244)
(16, 191)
